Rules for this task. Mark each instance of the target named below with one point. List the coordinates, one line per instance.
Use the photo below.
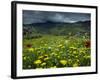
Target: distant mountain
(50, 27)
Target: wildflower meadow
(56, 51)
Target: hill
(57, 28)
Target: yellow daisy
(75, 65)
(63, 62)
(46, 58)
(31, 49)
(43, 64)
(37, 62)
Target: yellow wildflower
(46, 58)
(73, 48)
(75, 65)
(43, 64)
(40, 57)
(45, 55)
(31, 49)
(63, 62)
(37, 62)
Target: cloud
(43, 16)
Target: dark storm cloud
(43, 16)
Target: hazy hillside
(57, 28)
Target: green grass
(55, 52)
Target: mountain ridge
(58, 28)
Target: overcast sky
(44, 16)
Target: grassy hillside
(57, 28)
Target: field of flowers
(56, 51)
